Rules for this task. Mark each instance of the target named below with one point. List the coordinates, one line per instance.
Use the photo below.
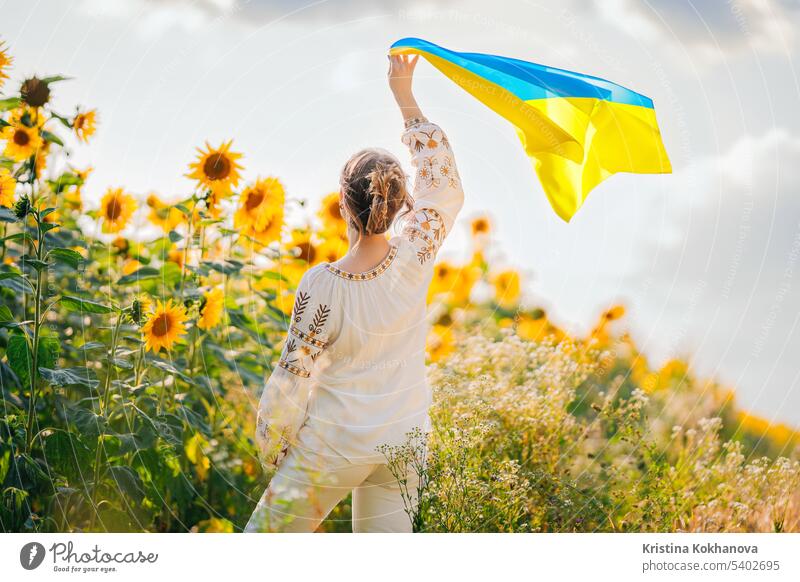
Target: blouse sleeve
(283, 405)
(438, 196)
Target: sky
(706, 259)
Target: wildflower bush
(130, 367)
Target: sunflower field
(130, 368)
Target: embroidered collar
(366, 275)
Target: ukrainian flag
(577, 129)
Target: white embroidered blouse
(351, 376)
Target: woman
(351, 376)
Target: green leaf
(9, 103)
(228, 267)
(66, 256)
(64, 181)
(19, 358)
(67, 455)
(123, 363)
(7, 215)
(128, 481)
(86, 421)
(49, 348)
(140, 275)
(52, 138)
(169, 368)
(17, 237)
(70, 377)
(55, 79)
(35, 263)
(16, 282)
(5, 314)
(175, 236)
(86, 305)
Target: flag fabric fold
(577, 129)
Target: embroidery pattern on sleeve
(426, 225)
(300, 344)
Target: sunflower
(439, 342)
(211, 308)
(614, 313)
(258, 205)
(5, 62)
(331, 216)
(480, 226)
(164, 325)
(72, 195)
(444, 277)
(176, 256)
(8, 186)
(507, 288)
(116, 209)
(27, 116)
(21, 141)
(332, 249)
(139, 309)
(305, 249)
(85, 124)
(216, 168)
(163, 215)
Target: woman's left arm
(283, 404)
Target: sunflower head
(507, 288)
(22, 207)
(22, 141)
(163, 215)
(139, 309)
(8, 185)
(211, 307)
(164, 325)
(614, 313)
(259, 204)
(480, 226)
(216, 168)
(330, 214)
(5, 62)
(35, 92)
(85, 124)
(116, 209)
(439, 342)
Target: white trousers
(306, 487)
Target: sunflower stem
(37, 324)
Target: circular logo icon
(31, 555)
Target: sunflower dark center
(217, 167)
(161, 325)
(307, 252)
(21, 137)
(254, 200)
(114, 208)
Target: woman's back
(358, 339)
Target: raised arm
(438, 195)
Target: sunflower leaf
(10, 103)
(140, 275)
(80, 376)
(7, 215)
(52, 138)
(66, 256)
(15, 282)
(87, 305)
